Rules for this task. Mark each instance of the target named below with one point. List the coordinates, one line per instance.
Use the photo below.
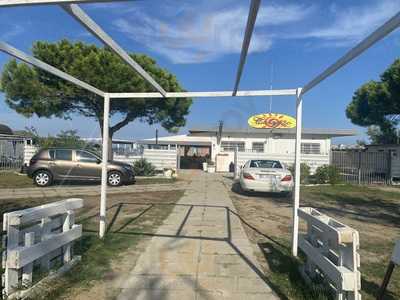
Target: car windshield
(268, 164)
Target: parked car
(57, 164)
(261, 175)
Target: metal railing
(363, 167)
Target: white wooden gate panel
(36, 236)
(331, 249)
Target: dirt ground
(371, 211)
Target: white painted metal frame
(377, 35)
(251, 21)
(75, 11)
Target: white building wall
(276, 147)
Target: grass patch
(12, 180)
(284, 274)
(372, 212)
(128, 216)
(155, 180)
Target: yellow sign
(272, 121)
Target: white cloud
(12, 32)
(203, 36)
(354, 23)
(205, 30)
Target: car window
(84, 156)
(64, 155)
(52, 154)
(269, 164)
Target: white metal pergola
(71, 6)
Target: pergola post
(103, 197)
(296, 194)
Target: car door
(62, 164)
(88, 165)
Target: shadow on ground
(126, 228)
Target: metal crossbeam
(287, 92)
(42, 65)
(75, 11)
(251, 20)
(374, 37)
(5, 3)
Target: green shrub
(304, 170)
(327, 174)
(143, 168)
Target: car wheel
(114, 178)
(43, 178)
(242, 191)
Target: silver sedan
(262, 175)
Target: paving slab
(206, 254)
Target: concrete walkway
(88, 190)
(200, 252)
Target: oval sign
(272, 121)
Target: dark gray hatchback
(58, 164)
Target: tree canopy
(32, 91)
(376, 105)
(64, 139)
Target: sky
(200, 42)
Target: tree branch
(129, 118)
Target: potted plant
(169, 173)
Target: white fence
(29, 152)
(331, 249)
(161, 159)
(40, 236)
(312, 160)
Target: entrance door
(193, 157)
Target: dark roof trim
(309, 131)
(181, 143)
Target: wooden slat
(338, 232)
(21, 217)
(37, 229)
(22, 256)
(11, 275)
(27, 270)
(342, 277)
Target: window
(268, 164)
(83, 156)
(231, 146)
(310, 148)
(258, 147)
(64, 155)
(52, 154)
(157, 147)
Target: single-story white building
(219, 145)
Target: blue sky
(200, 42)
